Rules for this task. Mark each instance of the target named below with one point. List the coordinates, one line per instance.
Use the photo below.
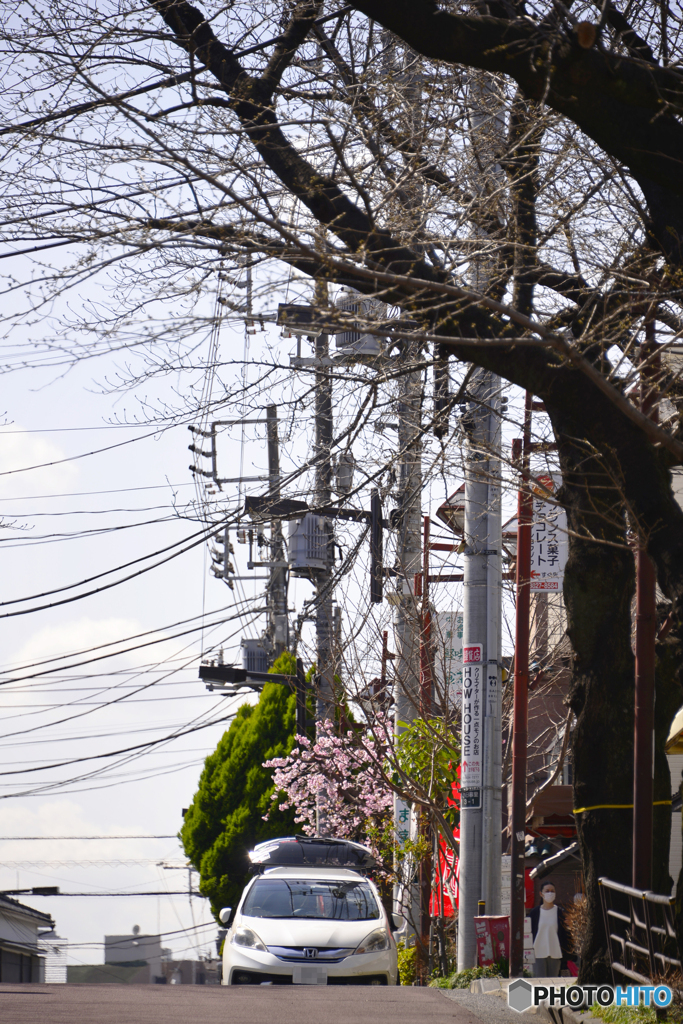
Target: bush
(407, 963)
(625, 1014)
(462, 979)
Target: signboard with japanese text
(472, 653)
(473, 675)
(549, 545)
(448, 656)
(406, 822)
(491, 704)
(402, 819)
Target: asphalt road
(185, 1004)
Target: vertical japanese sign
(472, 699)
(548, 539)
(402, 820)
(448, 656)
(491, 705)
(406, 822)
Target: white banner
(549, 545)
(472, 699)
(448, 657)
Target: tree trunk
(598, 587)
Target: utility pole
(409, 558)
(409, 539)
(276, 599)
(480, 814)
(521, 454)
(324, 623)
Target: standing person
(549, 934)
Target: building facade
(21, 957)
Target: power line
(83, 455)
(164, 892)
(123, 750)
(5, 839)
(115, 490)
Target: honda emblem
(310, 954)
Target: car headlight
(375, 942)
(246, 937)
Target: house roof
(7, 903)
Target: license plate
(309, 974)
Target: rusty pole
(521, 688)
(646, 629)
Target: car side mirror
(225, 916)
(397, 922)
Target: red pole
(426, 873)
(520, 709)
(646, 629)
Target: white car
(309, 926)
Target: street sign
(549, 542)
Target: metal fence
(640, 932)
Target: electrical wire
(83, 455)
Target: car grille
(324, 954)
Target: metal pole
(276, 598)
(479, 864)
(520, 709)
(646, 628)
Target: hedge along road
(180, 1004)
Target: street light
(232, 678)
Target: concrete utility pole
(324, 622)
(276, 599)
(407, 621)
(409, 536)
(481, 776)
(480, 816)
(521, 454)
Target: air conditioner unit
(254, 656)
(365, 308)
(307, 544)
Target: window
(311, 900)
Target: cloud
(81, 635)
(19, 451)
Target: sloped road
(180, 1004)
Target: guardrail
(640, 932)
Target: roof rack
(312, 852)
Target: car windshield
(311, 899)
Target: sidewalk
(488, 999)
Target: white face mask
(549, 897)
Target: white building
(54, 949)
(21, 956)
